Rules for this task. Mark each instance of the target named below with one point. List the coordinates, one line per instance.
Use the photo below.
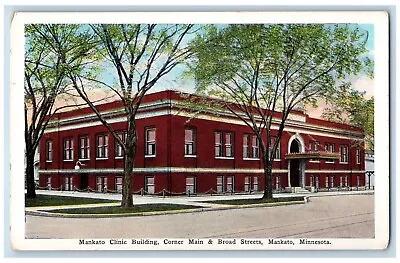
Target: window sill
(149, 156)
(119, 157)
(314, 161)
(343, 162)
(47, 161)
(251, 159)
(277, 160)
(329, 162)
(190, 156)
(102, 158)
(224, 158)
(68, 160)
(84, 159)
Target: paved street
(343, 216)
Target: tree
(51, 52)
(263, 72)
(350, 106)
(140, 55)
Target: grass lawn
(256, 201)
(120, 210)
(52, 200)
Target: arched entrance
(295, 171)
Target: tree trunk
(30, 175)
(130, 152)
(267, 179)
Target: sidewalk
(186, 200)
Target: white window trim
(329, 162)
(104, 146)
(70, 150)
(192, 142)
(148, 142)
(190, 156)
(85, 147)
(341, 154)
(84, 159)
(49, 142)
(277, 160)
(314, 161)
(122, 135)
(225, 157)
(251, 159)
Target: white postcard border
(379, 19)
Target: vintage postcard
(200, 131)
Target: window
(277, 155)
(277, 182)
(330, 147)
(223, 144)
(119, 151)
(150, 185)
(101, 184)
(218, 144)
(317, 182)
(358, 156)
(228, 145)
(358, 181)
(255, 147)
(84, 150)
(251, 183)
(344, 153)
(256, 187)
(246, 146)
(346, 183)
(48, 186)
(332, 181)
(341, 181)
(68, 149)
(220, 184)
(151, 142)
(102, 146)
(118, 184)
(311, 181)
(68, 183)
(190, 141)
(326, 181)
(230, 188)
(314, 147)
(247, 184)
(190, 185)
(49, 151)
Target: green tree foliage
(51, 53)
(140, 55)
(267, 68)
(351, 106)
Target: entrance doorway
(295, 172)
(84, 181)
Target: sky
(174, 80)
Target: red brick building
(210, 153)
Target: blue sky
(175, 81)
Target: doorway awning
(312, 155)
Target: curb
(334, 194)
(157, 213)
